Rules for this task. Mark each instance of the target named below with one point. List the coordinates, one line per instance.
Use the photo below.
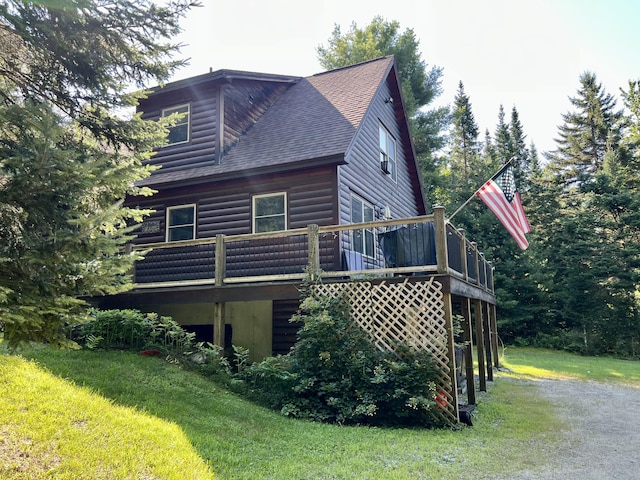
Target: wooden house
(266, 175)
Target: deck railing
(417, 245)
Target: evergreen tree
(489, 149)
(67, 159)
(504, 143)
(534, 160)
(518, 144)
(590, 248)
(464, 139)
(586, 133)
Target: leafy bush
(152, 334)
(334, 373)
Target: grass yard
(118, 415)
(536, 362)
(147, 406)
(50, 428)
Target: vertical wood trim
(221, 260)
(467, 330)
(219, 142)
(451, 351)
(477, 311)
(442, 260)
(487, 341)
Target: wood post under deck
(448, 316)
(477, 312)
(467, 330)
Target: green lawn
(537, 362)
(238, 440)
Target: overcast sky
(527, 53)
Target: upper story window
(363, 240)
(181, 223)
(388, 153)
(269, 212)
(179, 133)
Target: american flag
(501, 196)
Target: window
(388, 153)
(363, 240)
(179, 133)
(269, 212)
(181, 223)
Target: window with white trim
(363, 239)
(388, 153)
(270, 212)
(179, 133)
(181, 223)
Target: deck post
(448, 318)
(442, 258)
(487, 341)
(314, 250)
(219, 307)
(477, 312)
(493, 325)
(490, 285)
(476, 269)
(218, 324)
(221, 260)
(468, 350)
(463, 254)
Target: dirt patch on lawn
(602, 434)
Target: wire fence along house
(267, 178)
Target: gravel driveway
(602, 437)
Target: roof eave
(230, 175)
(224, 75)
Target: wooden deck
(271, 266)
(325, 252)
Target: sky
(523, 53)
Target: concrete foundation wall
(251, 322)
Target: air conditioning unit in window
(384, 163)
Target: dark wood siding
(225, 208)
(242, 103)
(200, 150)
(363, 175)
(284, 332)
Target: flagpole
(474, 193)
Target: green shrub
(334, 373)
(149, 333)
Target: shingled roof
(315, 119)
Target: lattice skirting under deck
(408, 312)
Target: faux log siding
(200, 150)
(244, 103)
(285, 333)
(363, 175)
(182, 263)
(225, 208)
